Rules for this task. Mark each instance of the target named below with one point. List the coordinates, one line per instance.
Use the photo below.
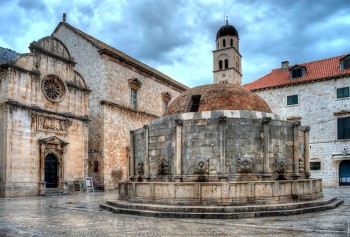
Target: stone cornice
(127, 108)
(34, 46)
(10, 65)
(70, 84)
(35, 108)
(141, 69)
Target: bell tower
(226, 58)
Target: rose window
(53, 88)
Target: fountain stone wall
(231, 157)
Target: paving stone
(80, 215)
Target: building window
(297, 72)
(166, 97)
(220, 64)
(195, 103)
(223, 43)
(231, 42)
(343, 128)
(315, 165)
(133, 98)
(343, 92)
(345, 63)
(226, 63)
(292, 100)
(134, 84)
(165, 105)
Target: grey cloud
(32, 5)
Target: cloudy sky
(177, 36)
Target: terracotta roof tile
(321, 69)
(100, 45)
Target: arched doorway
(344, 172)
(51, 168)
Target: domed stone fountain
(231, 157)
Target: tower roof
(227, 30)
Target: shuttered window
(343, 92)
(344, 128)
(292, 100)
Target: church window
(165, 105)
(292, 100)
(220, 64)
(343, 92)
(135, 85)
(223, 43)
(237, 65)
(133, 98)
(345, 63)
(226, 63)
(195, 103)
(343, 128)
(166, 97)
(53, 88)
(231, 42)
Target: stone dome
(213, 97)
(227, 30)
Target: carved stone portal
(56, 147)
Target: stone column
(42, 184)
(307, 151)
(178, 162)
(132, 157)
(296, 149)
(222, 125)
(266, 137)
(146, 176)
(63, 169)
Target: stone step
(223, 213)
(53, 192)
(220, 209)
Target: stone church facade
(43, 121)
(66, 109)
(126, 94)
(316, 94)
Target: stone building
(126, 94)
(316, 94)
(43, 121)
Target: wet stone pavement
(80, 215)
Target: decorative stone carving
(202, 167)
(51, 124)
(53, 88)
(140, 170)
(163, 168)
(279, 165)
(244, 164)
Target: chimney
(284, 65)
